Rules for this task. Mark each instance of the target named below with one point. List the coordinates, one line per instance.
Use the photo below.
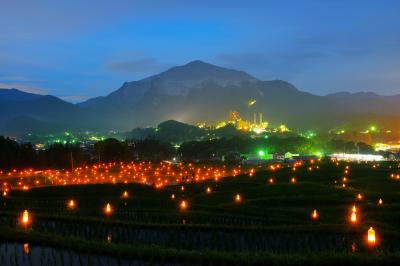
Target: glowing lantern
(26, 248)
(71, 204)
(371, 236)
(25, 218)
(208, 190)
(108, 209)
(354, 209)
(380, 202)
(359, 196)
(173, 196)
(183, 204)
(293, 180)
(353, 218)
(271, 180)
(314, 215)
(125, 194)
(238, 198)
(182, 188)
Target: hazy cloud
(137, 66)
(26, 88)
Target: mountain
(199, 92)
(16, 95)
(177, 81)
(22, 112)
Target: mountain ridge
(202, 92)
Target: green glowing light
(261, 153)
(251, 103)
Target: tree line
(64, 156)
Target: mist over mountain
(197, 92)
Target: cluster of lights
(159, 175)
(183, 204)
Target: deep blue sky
(78, 50)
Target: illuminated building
(357, 157)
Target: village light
(173, 196)
(293, 180)
(380, 202)
(208, 190)
(125, 194)
(359, 196)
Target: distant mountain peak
(17, 95)
(198, 70)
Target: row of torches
(371, 237)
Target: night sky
(79, 50)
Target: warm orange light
(359, 196)
(108, 209)
(125, 194)
(26, 248)
(182, 188)
(173, 196)
(314, 215)
(271, 180)
(354, 209)
(183, 204)
(371, 236)
(238, 198)
(25, 217)
(71, 204)
(353, 218)
(380, 202)
(293, 180)
(208, 190)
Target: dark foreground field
(272, 223)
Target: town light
(208, 190)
